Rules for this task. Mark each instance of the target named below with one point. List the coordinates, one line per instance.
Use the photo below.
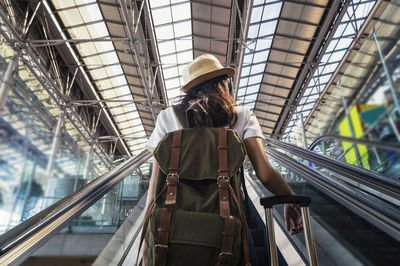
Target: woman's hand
(293, 221)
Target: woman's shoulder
(166, 113)
(242, 111)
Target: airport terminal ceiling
(111, 66)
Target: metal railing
(17, 244)
(371, 179)
(381, 214)
(371, 143)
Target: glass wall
(362, 100)
(43, 158)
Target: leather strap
(223, 179)
(161, 248)
(223, 192)
(222, 152)
(244, 231)
(172, 189)
(146, 222)
(173, 177)
(226, 256)
(175, 152)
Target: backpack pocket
(194, 237)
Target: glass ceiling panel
(358, 11)
(257, 49)
(101, 54)
(173, 30)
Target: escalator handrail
(378, 182)
(369, 208)
(376, 144)
(70, 206)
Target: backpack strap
(195, 116)
(173, 177)
(244, 231)
(181, 117)
(223, 179)
(146, 223)
(161, 248)
(225, 256)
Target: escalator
(355, 214)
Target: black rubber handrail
(381, 214)
(21, 241)
(371, 143)
(374, 180)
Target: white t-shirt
(246, 125)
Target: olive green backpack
(196, 216)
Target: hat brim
(207, 76)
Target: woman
(206, 82)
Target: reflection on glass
(42, 156)
(108, 213)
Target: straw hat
(201, 69)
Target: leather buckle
(223, 254)
(172, 175)
(222, 177)
(161, 246)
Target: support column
(7, 79)
(86, 168)
(387, 73)
(28, 190)
(322, 144)
(358, 156)
(304, 131)
(55, 145)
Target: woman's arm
(270, 178)
(152, 183)
(273, 181)
(149, 198)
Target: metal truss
(30, 59)
(334, 15)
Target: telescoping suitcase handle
(304, 202)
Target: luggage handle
(304, 202)
(269, 202)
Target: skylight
(101, 60)
(351, 22)
(263, 22)
(173, 30)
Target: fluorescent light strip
(326, 68)
(257, 49)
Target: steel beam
(55, 145)
(243, 39)
(315, 54)
(38, 70)
(132, 41)
(359, 36)
(154, 47)
(8, 78)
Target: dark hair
(214, 96)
